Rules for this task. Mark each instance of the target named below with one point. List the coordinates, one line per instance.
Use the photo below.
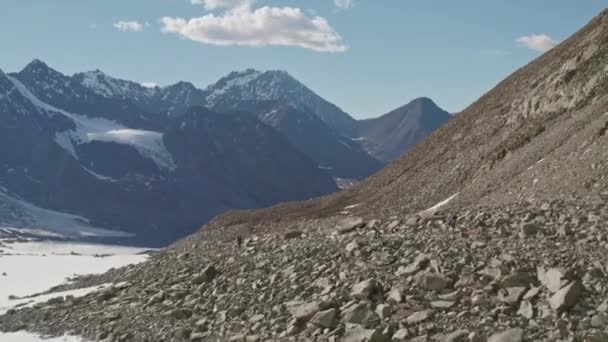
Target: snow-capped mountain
(159, 184)
(253, 85)
(161, 161)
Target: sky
(366, 56)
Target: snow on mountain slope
(22, 336)
(16, 213)
(149, 144)
(274, 85)
(107, 86)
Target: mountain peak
(37, 66)
(37, 63)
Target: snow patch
(149, 144)
(240, 79)
(35, 267)
(432, 210)
(22, 336)
(352, 206)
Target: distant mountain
(253, 85)
(335, 153)
(161, 161)
(157, 184)
(392, 134)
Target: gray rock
(552, 278)
(349, 224)
(432, 281)
(418, 317)
(304, 312)
(364, 289)
(567, 297)
(326, 319)
(511, 335)
(526, 309)
(528, 230)
(456, 336)
(360, 334)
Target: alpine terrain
(159, 162)
(491, 229)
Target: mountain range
(114, 154)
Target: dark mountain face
(393, 134)
(238, 152)
(338, 155)
(158, 185)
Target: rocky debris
(312, 288)
(432, 281)
(418, 317)
(349, 224)
(511, 335)
(567, 297)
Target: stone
(292, 235)
(443, 304)
(433, 281)
(599, 320)
(207, 275)
(528, 229)
(401, 335)
(567, 297)
(418, 317)
(360, 334)
(383, 311)
(421, 261)
(517, 279)
(532, 293)
(256, 318)
(511, 335)
(304, 312)
(326, 319)
(512, 295)
(526, 309)
(395, 296)
(358, 313)
(456, 336)
(364, 289)
(349, 224)
(552, 279)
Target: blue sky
(366, 56)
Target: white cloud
(265, 26)
(215, 4)
(129, 26)
(344, 4)
(149, 84)
(538, 42)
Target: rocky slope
(519, 273)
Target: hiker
(239, 241)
